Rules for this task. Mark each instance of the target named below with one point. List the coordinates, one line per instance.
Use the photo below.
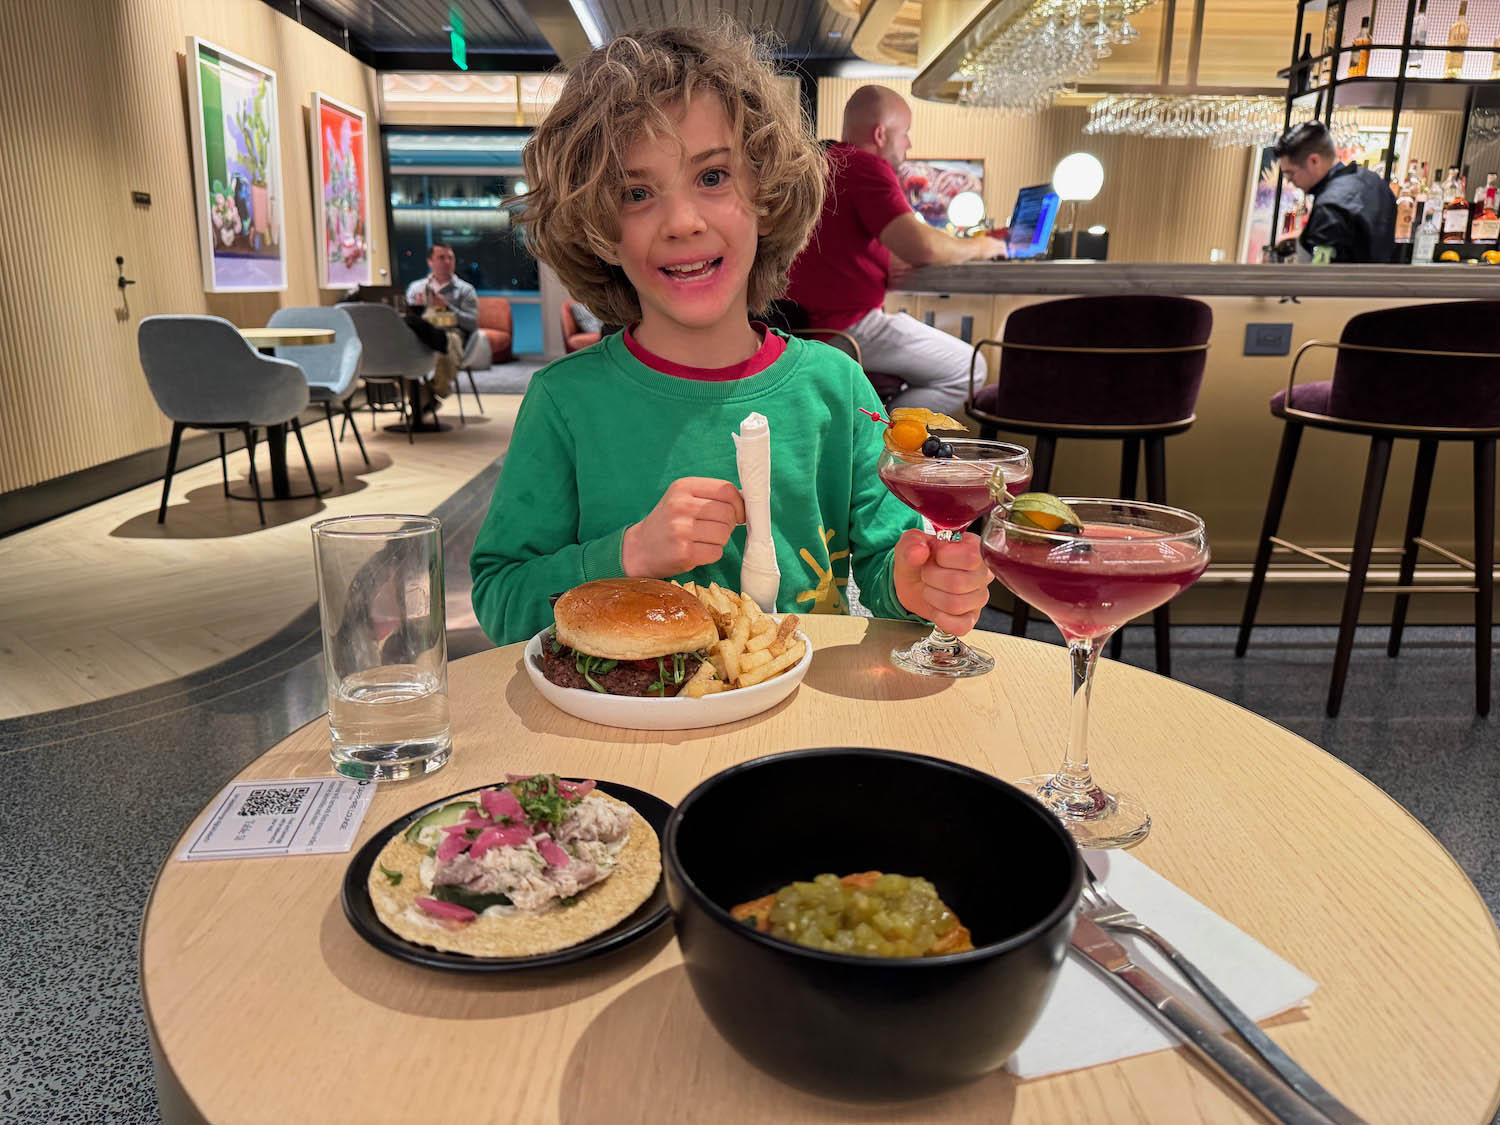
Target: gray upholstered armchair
(205, 376)
(332, 370)
(392, 353)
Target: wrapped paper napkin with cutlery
(1256, 979)
(760, 576)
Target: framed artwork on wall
(341, 193)
(1260, 202)
(236, 170)
(930, 185)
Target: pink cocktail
(952, 492)
(1123, 558)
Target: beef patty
(629, 677)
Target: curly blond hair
(617, 94)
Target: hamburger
(627, 636)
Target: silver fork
(1100, 907)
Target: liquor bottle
(1495, 59)
(1304, 65)
(1455, 208)
(1418, 41)
(1359, 61)
(1484, 225)
(1327, 67)
(1421, 197)
(1458, 36)
(1424, 245)
(1406, 211)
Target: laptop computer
(1032, 220)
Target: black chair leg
(260, 506)
(1156, 492)
(1041, 476)
(1484, 569)
(473, 386)
(458, 393)
(1359, 565)
(223, 463)
(337, 463)
(306, 460)
(166, 483)
(1130, 458)
(406, 421)
(1291, 437)
(1421, 486)
(351, 424)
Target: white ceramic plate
(638, 713)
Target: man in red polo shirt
(841, 278)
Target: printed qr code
(274, 802)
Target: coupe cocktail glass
(953, 492)
(1126, 559)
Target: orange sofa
(495, 322)
(573, 339)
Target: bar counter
(1221, 468)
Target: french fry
(753, 660)
(721, 668)
(729, 652)
(760, 642)
(701, 683)
(775, 665)
(740, 632)
(787, 628)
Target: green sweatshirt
(599, 438)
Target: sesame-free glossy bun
(632, 619)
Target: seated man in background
(840, 279)
(442, 289)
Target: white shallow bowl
(639, 713)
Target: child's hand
(688, 528)
(947, 583)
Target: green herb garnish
(447, 892)
(569, 901)
(590, 666)
(541, 799)
(394, 876)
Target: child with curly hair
(672, 185)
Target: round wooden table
(263, 1004)
(268, 340)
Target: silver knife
(1239, 1066)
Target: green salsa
(870, 914)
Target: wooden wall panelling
(107, 115)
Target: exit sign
(456, 38)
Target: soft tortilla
(518, 935)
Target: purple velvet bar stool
(1124, 369)
(1430, 373)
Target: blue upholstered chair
(205, 376)
(332, 370)
(1429, 373)
(1124, 369)
(392, 356)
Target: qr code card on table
(296, 816)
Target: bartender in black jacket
(1353, 210)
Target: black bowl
(863, 1027)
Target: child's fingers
(955, 581)
(961, 554)
(913, 549)
(711, 488)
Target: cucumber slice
(438, 818)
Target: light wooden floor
(105, 600)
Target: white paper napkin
(1087, 1021)
(760, 576)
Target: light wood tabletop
(287, 337)
(264, 1004)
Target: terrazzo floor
(96, 796)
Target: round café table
(268, 340)
(264, 1005)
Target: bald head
(878, 120)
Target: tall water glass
(385, 644)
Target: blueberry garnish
(930, 447)
(944, 450)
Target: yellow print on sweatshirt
(826, 596)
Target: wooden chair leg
(1156, 492)
(1291, 437)
(1484, 569)
(166, 482)
(260, 507)
(223, 463)
(337, 463)
(1421, 486)
(1359, 564)
(306, 460)
(349, 422)
(473, 386)
(1041, 477)
(1130, 457)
